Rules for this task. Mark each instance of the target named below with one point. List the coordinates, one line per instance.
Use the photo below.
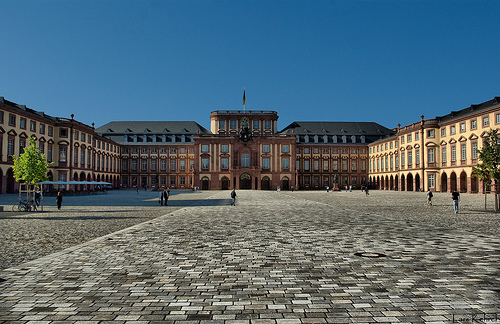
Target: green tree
(488, 170)
(31, 167)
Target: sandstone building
(245, 150)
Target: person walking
(233, 198)
(455, 195)
(166, 194)
(160, 193)
(429, 197)
(59, 200)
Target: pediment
(473, 137)
(462, 139)
(42, 139)
(452, 141)
(63, 143)
(12, 132)
(2, 130)
(23, 135)
(443, 142)
(416, 146)
(51, 141)
(430, 144)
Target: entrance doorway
(285, 184)
(265, 183)
(245, 181)
(10, 181)
(204, 183)
(225, 183)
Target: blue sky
(382, 61)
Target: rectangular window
(204, 148)
(153, 165)
(182, 165)
(173, 150)
(335, 165)
(33, 126)
(316, 165)
(191, 165)
(409, 138)
(12, 120)
(410, 159)
(430, 133)
(245, 160)
(497, 118)
(307, 181)
(443, 155)
(144, 165)
(221, 124)
(417, 157)
(402, 159)
(172, 181)
(325, 151)
(431, 155)
(453, 154)
(453, 130)
(473, 124)
(363, 165)
(134, 165)
(42, 129)
(255, 124)
(75, 156)
(285, 163)
(267, 124)
(265, 163)
(205, 163)
(22, 145)
(431, 181)
(306, 150)
(417, 136)
(173, 165)
(354, 165)
(344, 165)
(285, 148)
(474, 150)
(22, 124)
(232, 124)
(63, 132)
(62, 154)
(443, 132)
(42, 147)
(224, 163)
(163, 165)
(297, 165)
(183, 181)
(486, 121)
(224, 148)
(325, 165)
(144, 150)
(265, 149)
(306, 165)
(463, 151)
(462, 127)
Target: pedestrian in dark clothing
(166, 194)
(455, 195)
(59, 200)
(233, 198)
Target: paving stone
(302, 257)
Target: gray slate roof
(151, 127)
(336, 128)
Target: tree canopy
(31, 166)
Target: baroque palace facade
(245, 150)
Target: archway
(245, 181)
(391, 183)
(403, 182)
(204, 183)
(417, 182)
(463, 182)
(396, 183)
(378, 183)
(265, 183)
(444, 182)
(225, 183)
(10, 181)
(474, 184)
(285, 183)
(387, 183)
(453, 181)
(409, 182)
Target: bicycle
(23, 205)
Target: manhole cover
(369, 254)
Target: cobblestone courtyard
(301, 257)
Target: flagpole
(244, 100)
